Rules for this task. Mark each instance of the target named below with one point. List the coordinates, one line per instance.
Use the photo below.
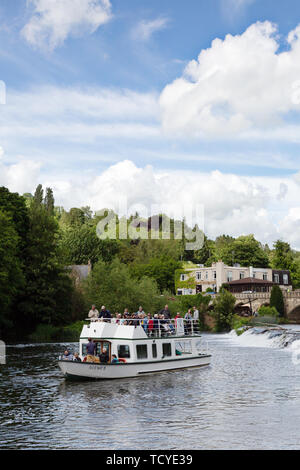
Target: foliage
(267, 311)
(276, 300)
(159, 269)
(223, 310)
(114, 286)
(11, 276)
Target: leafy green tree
(282, 256)
(114, 286)
(49, 201)
(224, 310)
(276, 300)
(246, 251)
(11, 276)
(162, 270)
(46, 295)
(80, 244)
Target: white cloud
(240, 86)
(79, 114)
(233, 204)
(145, 29)
(54, 20)
(21, 176)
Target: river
(249, 398)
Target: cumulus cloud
(21, 176)
(238, 86)
(53, 21)
(232, 204)
(145, 29)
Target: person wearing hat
(105, 314)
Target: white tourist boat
(175, 345)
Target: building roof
(249, 280)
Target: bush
(265, 311)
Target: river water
(249, 398)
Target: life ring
(122, 360)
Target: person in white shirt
(196, 314)
(93, 313)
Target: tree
(49, 201)
(80, 244)
(246, 251)
(46, 295)
(276, 300)
(162, 270)
(282, 256)
(113, 285)
(11, 276)
(223, 310)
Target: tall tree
(276, 300)
(11, 276)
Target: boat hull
(85, 370)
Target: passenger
(166, 312)
(105, 314)
(188, 320)
(91, 347)
(144, 322)
(104, 356)
(93, 313)
(140, 310)
(115, 360)
(150, 325)
(156, 325)
(68, 356)
(76, 357)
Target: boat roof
(112, 330)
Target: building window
(182, 277)
(276, 278)
(242, 275)
(123, 351)
(206, 275)
(215, 275)
(141, 351)
(154, 350)
(229, 276)
(265, 276)
(167, 349)
(198, 276)
(285, 279)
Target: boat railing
(156, 327)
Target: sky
(163, 103)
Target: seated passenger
(68, 356)
(115, 360)
(104, 356)
(76, 357)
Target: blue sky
(111, 94)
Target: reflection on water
(247, 398)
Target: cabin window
(184, 347)
(84, 349)
(154, 350)
(123, 351)
(167, 349)
(141, 351)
